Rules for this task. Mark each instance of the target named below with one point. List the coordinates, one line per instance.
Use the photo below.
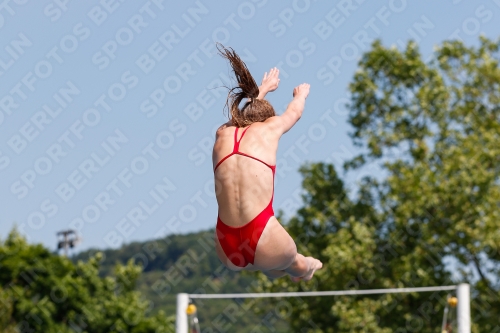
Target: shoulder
(267, 130)
(272, 121)
(274, 125)
(221, 130)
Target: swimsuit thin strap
(236, 151)
(236, 141)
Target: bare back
(244, 165)
(244, 186)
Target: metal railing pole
(463, 308)
(181, 319)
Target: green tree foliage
(188, 264)
(43, 292)
(434, 129)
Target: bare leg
(303, 268)
(274, 274)
(276, 255)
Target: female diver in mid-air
(248, 236)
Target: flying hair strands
(255, 109)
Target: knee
(291, 253)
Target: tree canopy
(99, 291)
(431, 218)
(43, 292)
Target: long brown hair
(254, 109)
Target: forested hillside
(188, 263)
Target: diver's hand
(301, 90)
(270, 82)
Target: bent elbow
(298, 115)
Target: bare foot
(314, 265)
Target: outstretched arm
(269, 83)
(283, 123)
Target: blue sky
(108, 108)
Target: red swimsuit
(239, 243)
